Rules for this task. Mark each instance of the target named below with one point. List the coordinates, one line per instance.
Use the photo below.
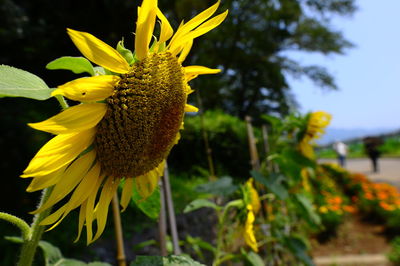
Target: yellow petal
(199, 70)
(46, 181)
(90, 210)
(107, 193)
(99, 52)
(202, 29)
(166, 29)
(147, 183)
(71, 178)
(194, 22)
(191, 108)
(185, 51)
(85, 188)
(58, 152)
(81, 193)
(144, 27)
(127, 193)
(76, 118)
(53, 217)
(82, 216)
(88, 89)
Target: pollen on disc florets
(143, 117)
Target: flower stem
(21, 224)
(29, 247)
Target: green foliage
(306, 206)
(75, 64)
(53, 257)
(200, 203)
(394, 254)
(299, 249)
(223, 186)
(228, 141)
(150, 206)
(273, 183)
(15, 82)
(171, 260)
(253, 258)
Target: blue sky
(368, 75)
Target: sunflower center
(143, 118)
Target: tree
(250, 47)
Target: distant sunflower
(316, 124)
(127, 121)
(249, 236)
(253, 205)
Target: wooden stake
(171, 212)
(121, 259)
(255, 162)
(162, 222)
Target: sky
(368, 75)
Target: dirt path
(389, 169)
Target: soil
(354, 237)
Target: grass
(390, 148)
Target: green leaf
(197, 241)
(126, 53)
(221, 187)
(16, 82)
(53, 257)
(52, 254)
(143, 244)
(254, 259)
(150, 206)
(299, 249)
(306, 205)
(200, 203)
(273, 183)
(75, 64)
(171, 260)
(69, 262)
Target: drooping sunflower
(253, 205)
(249, 236)
(126, 122)
(316, 124)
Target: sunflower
(316, 124)
(126, 123)
(253, 205)
(249, 236)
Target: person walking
(371, 145)
(341, 150)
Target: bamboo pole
(121, 259)
(171, 212)
(255, 161)
(266, 146)
(162, 222)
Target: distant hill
(334, 134)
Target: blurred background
(276, 57)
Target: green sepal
(126, 53)
(75, 64)
(16, 82)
